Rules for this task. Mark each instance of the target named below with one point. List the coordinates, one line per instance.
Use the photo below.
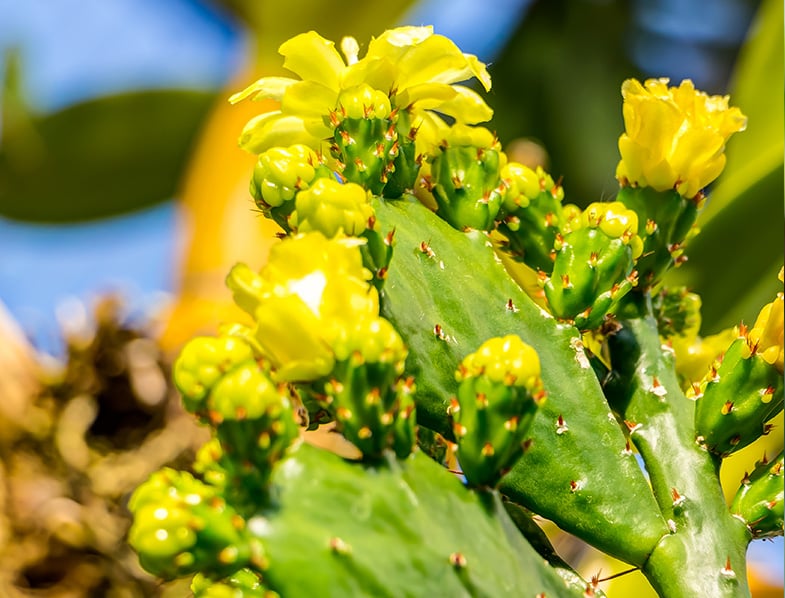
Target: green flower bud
(593, 266)
(365, 139)
(202, 363)
(465, 178)
(365, 393)
(759, 501)
(280, 173)
(531, 215)
(242, 584)
(332, 208)
(499, 392)
(181, 526)
(736, 398)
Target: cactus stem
(561, 425)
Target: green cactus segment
(242, 584)
(446, 297)
(365, 140)
(531, 215)
(593, 268)
(677, 311)
(704, 538)
(760, 499)
(280, 173)
(393, 529)
(182, 526)
(371, 403)
(500, 390)
(665, 219)
(465, 178)
(739, 395)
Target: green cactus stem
(394, 528)
(580, 474)
(760, 498)
(704, 539)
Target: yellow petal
(436, 60)
(275, 129)
(313, 58)
(264, 88)
(393, 43)
(466, 106)
(426, 95)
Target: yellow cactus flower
(312, 288)
(674, 136)
(415, 68)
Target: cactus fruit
(500, 389)
(394, 311)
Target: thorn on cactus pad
(438, 332)
(727, 408)
(657, 388)
(487, 450)
(727, 571)
(457, 560)
(767, 394)
(338, 546)
(561, 425)
(511, 306)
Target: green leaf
(98, 158)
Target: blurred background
(120, 174)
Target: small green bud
(365, 139)
(280, 173)
(332, 208)
(202, 363)
(465, 178)
(365, 392)
(181, 526)
(531, 215)
(242, 584)
(759, 501)
(499, 392)
(677, 311)
(593, 266)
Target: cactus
(394, 308)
